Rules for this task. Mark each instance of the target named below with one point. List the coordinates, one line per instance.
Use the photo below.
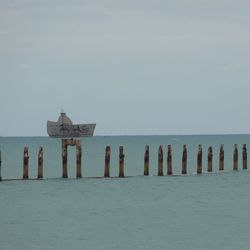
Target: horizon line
(133, 135)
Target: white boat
(64, 128)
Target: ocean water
(210, 211)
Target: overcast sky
(132, 67)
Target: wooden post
(40, 163)
(199, 160)
(78, 159)
(64, 158)
(26, 163)
(210, 159)
(160, 161)
(0, 165)
(121, 162)
(169, 161)
(107, 162)
(146, 160)
(244, 156)
(184, 160)
(221, 166)
(235, 165)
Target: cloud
(27, 67)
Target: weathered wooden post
(26, 163)
(0, 165)
(64, 158)
(121, 162)
(169, 161)
(199, 160)
(40, 163)
(107, 162)
(184, 160)
(235, 165)
(221, 156)
(78, 159)
(146, 160)
(244, 156)
(210, 159)
(160, 161)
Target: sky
(141, 67)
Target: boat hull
(57, 130)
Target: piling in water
(64, 158)
(40, 163)
(160, 161)
(121, 162)
(184, 160)
(235, 156)
(221, 156)
(169, 161)
(199, 160)
(107, 162)
(146, 161)
(0, 165)
(78, 159)
(26, 163)
(244, 156)
(210, 159)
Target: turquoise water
(210, 211)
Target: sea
(208, 211)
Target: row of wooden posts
(67, 142)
